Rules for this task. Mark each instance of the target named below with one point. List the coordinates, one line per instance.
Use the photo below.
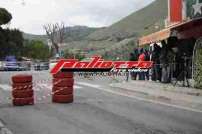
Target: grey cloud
(72, 12)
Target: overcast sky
(31, 15)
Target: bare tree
(51, 31)
(61, 32)
(56, 34)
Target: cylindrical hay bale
(63, 75)
(63, 98)
(22, 93)
(63, 86)
(62, 90)
(23, 101)
(22, 78)
(63, 82)
(22, 86)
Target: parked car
(39, 66)
(11, 64)
(25, 65)
(1, 66)
(53, 62)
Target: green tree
(5, 16)
(198, 76)
(36, 50)
(11, 42)
(68, 54)
(14, 42)
(77, 55)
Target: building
(183, 30)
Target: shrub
(198, 74)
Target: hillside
(136, 24)
(34, 37)
(119, 38)
(78, 33)
(75, 33)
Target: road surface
(95, 111)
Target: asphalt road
(94, 111)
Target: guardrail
(23, 66)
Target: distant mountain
(137, 23)
(146, 20)
(78, 33)
(35, 37)
(118, 38)
(75, 33)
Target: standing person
(166, 58)
(147, 58)
(131, 58)
(140, 59)
(156, 70)
(134, 58)
(164, 61)
(136, 54)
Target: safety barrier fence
(23, 93)
(23, 66)
(57, 89)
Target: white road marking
(1, 124)
(49, 86)
(4, 130)
(46, 85)
(88, 84)
(5, 87)
(77, 87)
(139, 98)
(38, 87)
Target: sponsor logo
(97, 64)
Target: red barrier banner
(97, 64)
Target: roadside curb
(186, 93)
(194, 94)
(4, 130)
(142, 93)
(169, 88)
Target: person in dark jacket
(133, 57)
(156, 70)
(147, 58)
(141, 58)
(165, 56)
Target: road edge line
(148, 100)
(4, 129)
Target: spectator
(140, 59)
(156, 70)
(147, 58)
(134, 58)
(131, 58)
(164, 60)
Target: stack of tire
(22, 92)
(63, 87)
